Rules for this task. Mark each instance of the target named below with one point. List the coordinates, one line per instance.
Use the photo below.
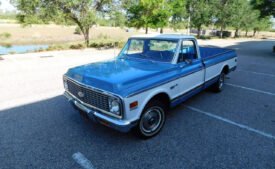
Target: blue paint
(123, 76)
(128, 76)
(20, 48)
(212, 56)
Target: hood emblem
(81, 94)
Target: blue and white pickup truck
(151, 74)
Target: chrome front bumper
(118, 124)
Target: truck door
(191, 68)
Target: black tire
(218, 86)
(151, 120)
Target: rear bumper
(117, 124)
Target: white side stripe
(82, 161)
(251, 89)
(258, 73)
(232, 122)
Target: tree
(118, 18)
(148, 14)
(178, 13)
(161, 15)
(250, 21)
(200, 13)
(266, 7)
(224, 10)
(261, 24)
(239, 18)
(80, 12)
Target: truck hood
(122, 76)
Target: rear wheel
(152, 120)
(218, 86)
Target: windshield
(151, 49)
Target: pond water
(20, 48)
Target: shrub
(55, 47)
(204, 37)
(77, 46)
(103, 36)
(106, 44)
(5, 35)
(77, 31)
(7, 45)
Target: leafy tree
(80, 12)
(261, 24)
(118, 18)
(148, 13)
(266, 7)
(201, 13)
(224, 10)
(242, 11)
(250, 21)
(178, 14)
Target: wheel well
(225, 69)
(163, 97)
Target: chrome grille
(91, 97)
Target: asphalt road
(232, 129)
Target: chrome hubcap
(151, 120)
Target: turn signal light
(133, 104)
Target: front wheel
(218, 86)
(151, 120)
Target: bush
(103, 36)
(5, 35)
(55, 47)
(204, 37)
(7, 45)
(106, 44)
(225, 34)
(77, 46)
(77, 31)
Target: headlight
(114, 106)
(65, 84)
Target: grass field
(57, 34)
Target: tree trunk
(199, 32)
(85, 32)
(246, 33)
(161, 30)
(254, 32)
(221, 32)
(146, 30)
(236, 33)
(86, 37)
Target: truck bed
(209, 52)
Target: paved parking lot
(232, 129)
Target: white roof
(163, 36)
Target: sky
(6, 5)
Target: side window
(188, 51)
(136, 46)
